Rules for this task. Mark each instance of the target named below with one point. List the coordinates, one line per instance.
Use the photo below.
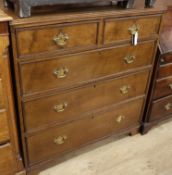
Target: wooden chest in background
(159, 105)
(10, 158)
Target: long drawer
(51, 38)
(73, 135)
(161, 108)
(121, 29)
(71, 105)
(74, 70)
(6, 160)
(4, 131)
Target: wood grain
(4, 130)
(117, 30)
(166, 32)
(95, 75)
(83, 100)
(165, 71)
(158, 109)
(160, 90)
(36, 40)
(10, 159)
(82, 68)
(6, 160)
(163, 88)
(2, 101)
(94, 127)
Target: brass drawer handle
(61, 73)
(60, 140)
(170, 86)
(60, 107)
(125, 89)
(168, 106)
(129, 59)
(120, 118)
(61, 39)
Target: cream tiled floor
(150, 154)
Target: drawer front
(119, 29)
(2, 100)
(163, 88)
(165, 71)
(161, 108)
(4, 132)
(56, 38)
(6, 160)
(74, 70)
(71, 105)
(68, 137)
(165, 59)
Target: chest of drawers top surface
(80, 15)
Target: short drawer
(51, 38)
(1, 95)
(6, 160)
(4, 131)
(68, 137)
(71, 105)
(119, 29)
(163, 87)
(165, 59)
(165, 71)
(161, 108)
(78, 69)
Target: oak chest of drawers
(79, 78)
(10, 158)
(159, 104)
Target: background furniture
(10, 159)
(159, 105)
(24, 7)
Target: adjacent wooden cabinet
(10, 154)
(159, 105)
